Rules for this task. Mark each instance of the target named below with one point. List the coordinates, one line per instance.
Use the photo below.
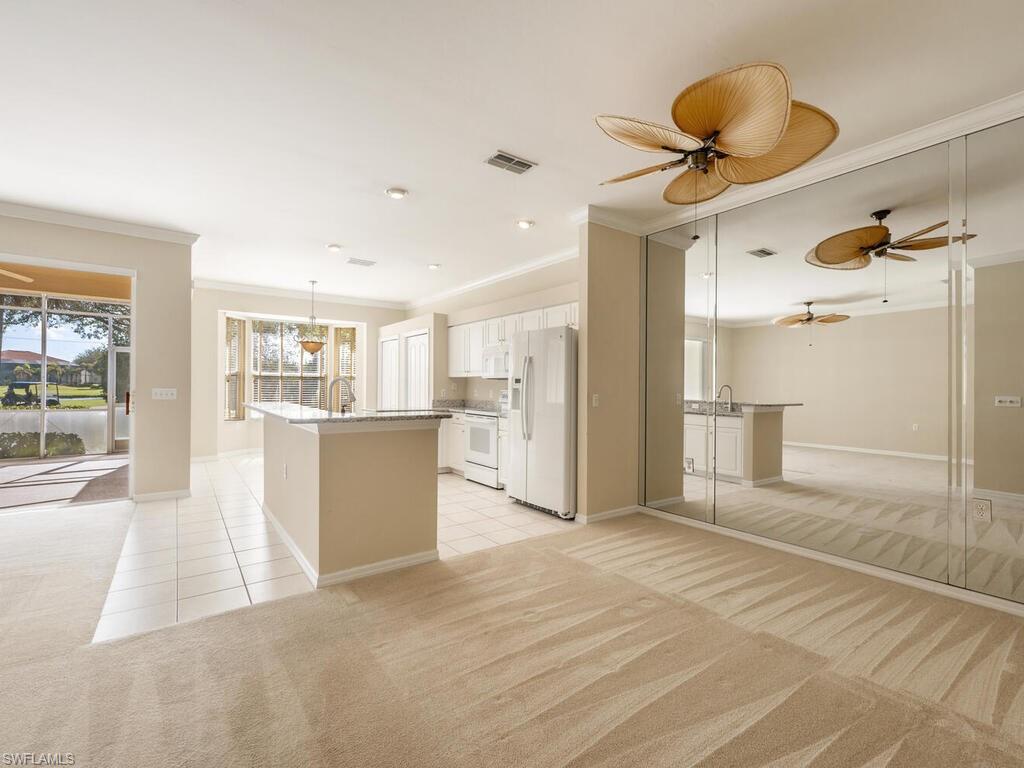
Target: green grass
(70, 391)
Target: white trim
(289, 293)
(304, 564)
(609, 513)
(946, 590)
(530, 266)
(662, 502)
(875, 451)
(63, 218)
(381, 566)
(759, 483)
(183, 493)
(1007, 496)
(608, 217)
(961, 124)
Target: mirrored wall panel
(994, 382)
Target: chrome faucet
(729, 403)
(348, 397)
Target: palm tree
(57, 371)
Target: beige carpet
(629, 642)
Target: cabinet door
(492, 331)
(457, 351)
(695, 446)
(457, 447)
(475, 349)
(532, 320)
(729, 452)
(557, 316)
(503, 455)
(509, 328)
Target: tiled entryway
(209, 553)
(471, 517)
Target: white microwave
(495, 362)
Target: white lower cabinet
(455, 449)
(503, 451)
(728, 448)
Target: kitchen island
(354, 493)
(748, 440)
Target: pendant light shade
(310, 342)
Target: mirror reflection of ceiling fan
(740, 126)
(16, 276)
(854, 248)
(808, 318)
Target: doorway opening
(65, 385)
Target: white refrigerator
(542, 420)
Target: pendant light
(308, 342)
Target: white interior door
(389, 385)
(417, 371)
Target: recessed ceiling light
(525, 223)
(333, 247)
(433, 266)
(396, 193)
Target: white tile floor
(215, 551)
(471, 517)
(209, 553)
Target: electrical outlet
(444, 393)
(688, 464)
(284, 471)
(596, 400)
(914, 427)
(679, 398)
(982, 510)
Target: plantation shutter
(234, 369)
(344, 359)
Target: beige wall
(210, 433)
(864, 383)
(160, 333)
(998, 370)
(609, 366)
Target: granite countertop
(461, 406)
(304, 414)
(738, 407)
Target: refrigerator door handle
(527, 396)
(522, 401)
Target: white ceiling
(272, 128)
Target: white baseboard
(1009, 498)
(609, 513)
(664, 502)
(759, 483)
(182, 493)
(875, 451)
(381, 566)
(304, 564)
(946, 590)
(327, 579)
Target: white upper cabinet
(458, 364)
(475, 354)
(493, 331)
(509, 328)
(558, 316)
(532, 320)
(574, 314)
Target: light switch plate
(982, 509)
(165, 393)
(1007, 401)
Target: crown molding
(530, 266)
(287, 293)
(952, 127)
(63, 218)
(608, 217)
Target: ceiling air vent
(762, 253)
(361, 262)
(509, 162)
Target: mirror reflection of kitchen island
(748, 441)
(353, 493)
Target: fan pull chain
(885, 279)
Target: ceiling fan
(854, 248)
(16, 276)
(808, 318)
(739, 126)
